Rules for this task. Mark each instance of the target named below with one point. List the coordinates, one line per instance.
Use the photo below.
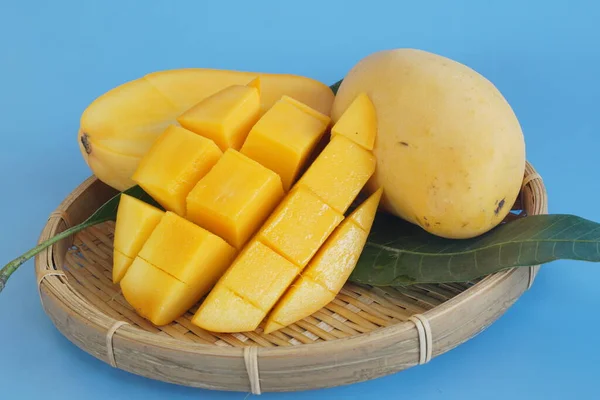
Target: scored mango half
(244, 226)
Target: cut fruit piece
(303, 298)
(307, 109)
(358, 123)
(283, 138)
(364, 215)
(119, 126)
(226, 117)
(135, 222)
(187, 252)
(156, 295)
(234, 198)
(299, 226)
(259, 275)
(329, 268)
(121, 263)
(174, 164)
(339, 173)
(224, 311)
(336, 259)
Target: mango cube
(299, 226)
(339, 173)
(156, 295)
(304, 298)
(135, 222)
(284, 137)
(224, 311)
(259, 276)
(227, 116)
(234, 198)
(174, 164)
(328, 270)
(187, 252)
(359, 122)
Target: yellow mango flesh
(339, 172)
(336, 259)
(234, 198)
(174, 164)
(450, 150)
(328, 270)
(120, 264)
(303, 298)
(119, 127)
(222, 308)
(156, 295)
(358, 122)
(259, 276)
(364, 215)
(283, 138)
(299, 226)
(226, 117)
(187, 252)
(135, 222)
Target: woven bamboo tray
(364, 333)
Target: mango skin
(119, 126)
(450, 151)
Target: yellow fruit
(191, 257)
(119, 127)
(258, 277)
(299, 226)
(174, 164)
(304, 298)
(329, 270)
(359, 122)
(225, 117)
(134, 223)
(450, 152)
(284, 137)
(234, 198)
(339, 173)
(236, 201)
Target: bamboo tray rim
(53, 286)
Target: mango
(450, 151)
(156, 295)
(284, 137)
(257, 278)
(193, 259)
(339, 173)
(226, 116)
(121, 125)
(135, 222)
(329, 270)
(173, 166)
(359, 122)
(234, 198)
(299, 226)
(242, 226)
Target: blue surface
(56, 57)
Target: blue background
(56, 57)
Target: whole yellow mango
(450, 151)
(120, 126)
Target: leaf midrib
(396, 251)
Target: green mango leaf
(106, 212)
(398, 253)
